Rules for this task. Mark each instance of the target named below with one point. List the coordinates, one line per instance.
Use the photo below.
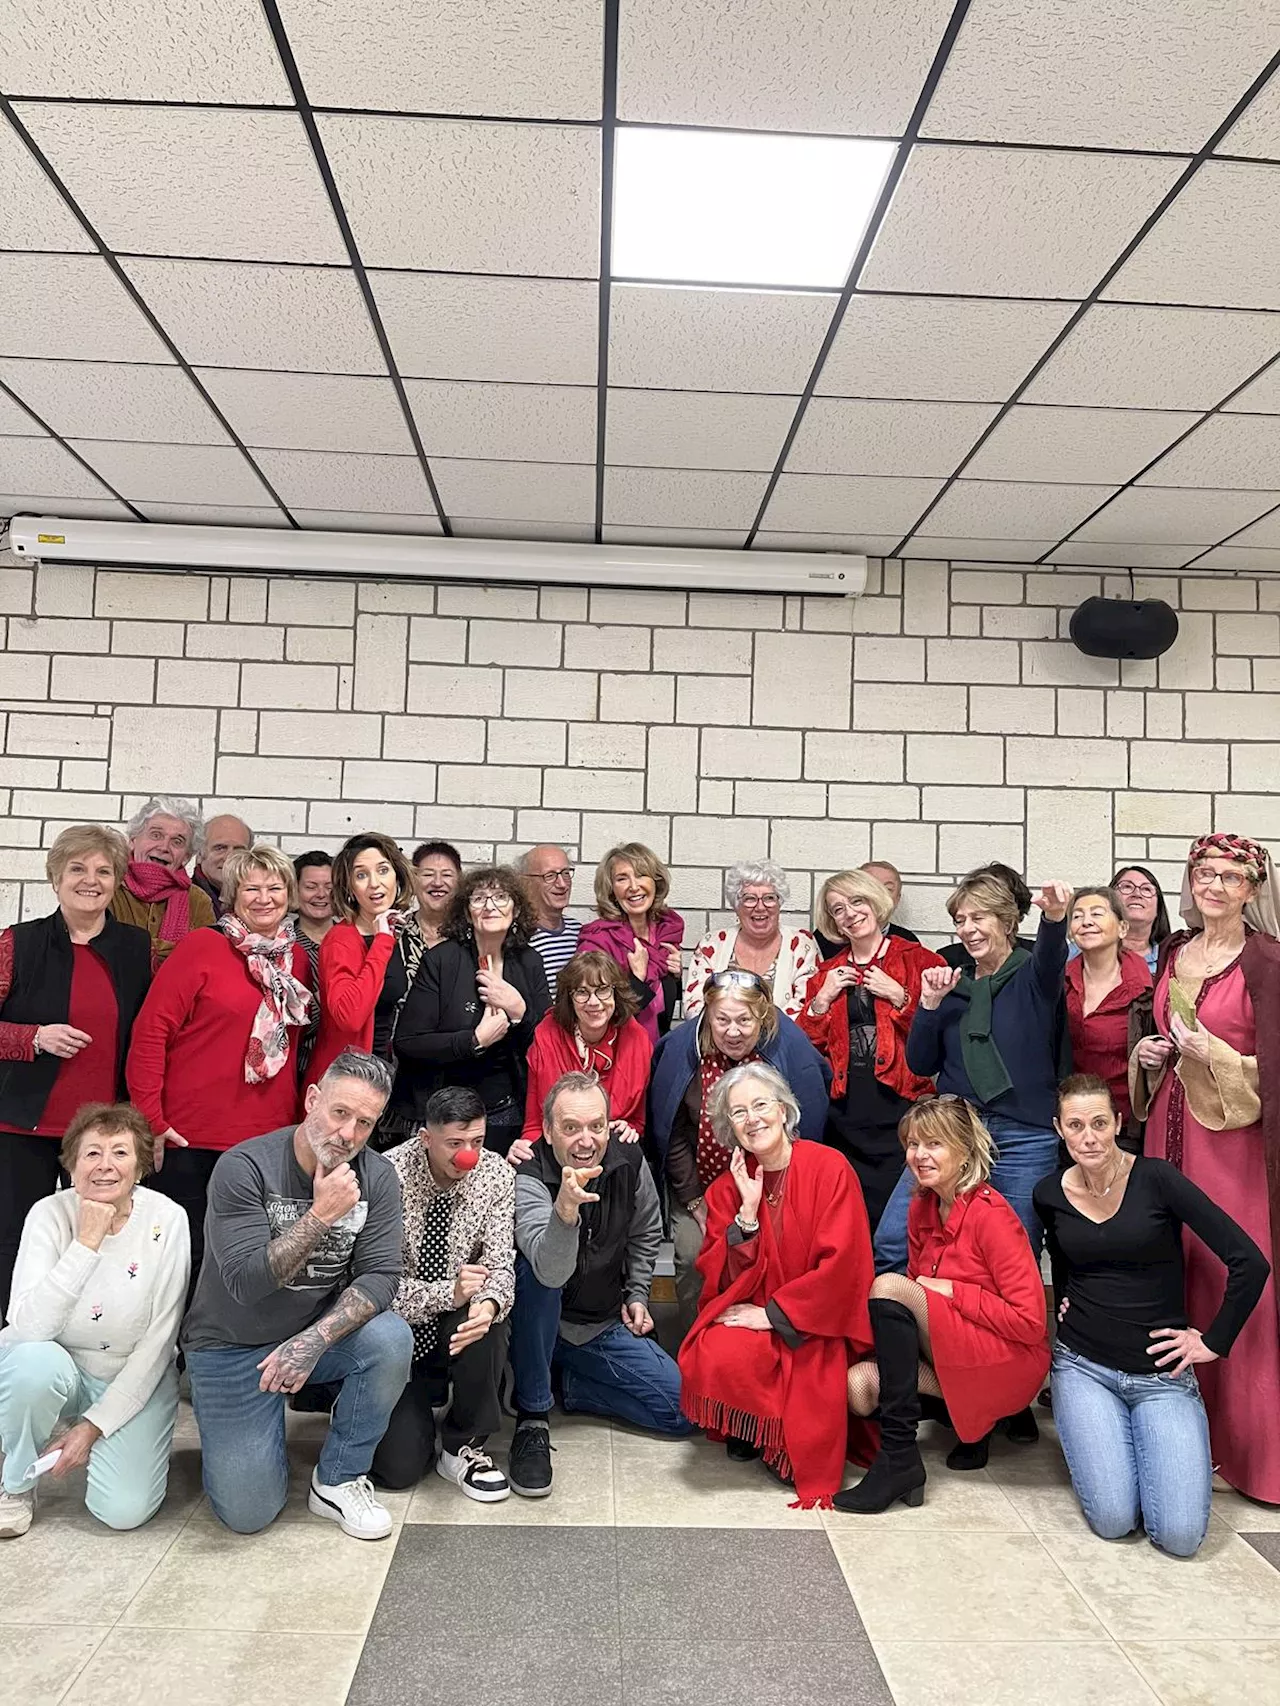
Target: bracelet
(696, 1203)
(746, 1225)
(35, 1043)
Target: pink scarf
(285, 1002)
(149, 882)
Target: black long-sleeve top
(1124, 1276)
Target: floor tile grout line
(89, 1657)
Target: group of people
(412, 1138)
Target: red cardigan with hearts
(901, 960)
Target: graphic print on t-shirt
(327, 1266)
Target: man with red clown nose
(456, 1293)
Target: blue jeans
(614, 1374)
(1137, 1446)
(246, 1467)
(1024, 1155)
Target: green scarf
(983, 1064)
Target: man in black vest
(588, 1228)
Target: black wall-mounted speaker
(1120, 628)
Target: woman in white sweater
(87, 1356)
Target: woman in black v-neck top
(1125, 1396)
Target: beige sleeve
(1224, 1096)
(1143, 1084)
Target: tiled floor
(657, 1574)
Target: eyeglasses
(759, 1110)
(759, 903)
(563, 875)
(581, 997)
(1136, 891)
(735, 980)
(1203, 877)
(491, 902)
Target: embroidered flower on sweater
(133, 1270)
(155, 1234)
(95, 1313)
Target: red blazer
(990, 1338)
(552, 1054)
(351, 975)
(829, 1032)
(1100, 1043)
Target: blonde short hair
(645, 863)
(951, 1120)
(262, 856)
(83, 838)
(988, 894)
(757, 1000)
(853, 885)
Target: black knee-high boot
(898, 1471)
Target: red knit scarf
(149, 882)
(711, 1156)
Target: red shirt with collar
(1100, 1042)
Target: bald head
(548, 875)
(222, 837)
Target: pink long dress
(1242, 1391)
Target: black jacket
(597, 1288)
(41, 995)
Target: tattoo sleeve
(352, 1310)
(287, 1253)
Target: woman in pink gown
(1212, 1087)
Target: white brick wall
(942, 720)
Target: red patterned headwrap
(1237, 847)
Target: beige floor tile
(582, 1467)
(69, 1569)
(1242, 1515)
(38, 1664)
(991, 1587)
(217, 1669)
(966, 1501)
(690, 1483)
(981, 1673)
(1227, 1590)
(1210, 1673)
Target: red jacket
(552, 1054)
(351, 975)
(990, 1339)
(185, 1066)
(1100, 1043)
(829, 1032)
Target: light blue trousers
(42, 1389)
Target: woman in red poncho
(786, 1270)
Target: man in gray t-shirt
(302, 1260)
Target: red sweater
(552, 1054)
(186, 1056)
(351, 978)
(1100, 1043)
(89, 1076)
(903, 961)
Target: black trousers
(408, 1447)
(29, 1170)
(184, 1178)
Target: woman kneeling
(966, 1323)
(87, 1359)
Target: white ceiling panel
(42, 503)
(1262, 397)
(696, 429)
(1125, 357)
(541, 59)
(846, 503)
(1108, 74)
(1215, 246)
(214, 515)
(310, 411)
(462, 326)
(142, 50)
(517, 491)
(1237, 451)
(71, 307)
(1163, 515)
(176, 473)
(1009, 509)
(850, 66)
(1082, 555)
(310, 319)
(1012, 222)
(469, 197)
(1239, 560)
(43, 465)
(192, 181)
(32, 213)
(683, 338)
(975, 550)
(556, 532)
(846, 435)
(938, 347)
(314, 479)
(507, 423)
(14, 419)
(868, 544)
(103, 399)
(1264, 532)
(682, 497)
(365, 521)
(700, 538)
(1084, 446)
(1257, 131)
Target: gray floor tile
(554, 1669)
(764, 1673)
(1267, 1544)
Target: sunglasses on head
(737, 980)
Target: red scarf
(711, 1156)
(285, 1002)
(150, 882)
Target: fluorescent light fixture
(739, 207)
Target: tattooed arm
(289, 1366)
(287, 1254)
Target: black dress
(863, 1123)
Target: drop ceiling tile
(310, 411)
(310, 319)
(1262, 397)
(847, 503)
(461, 326)
(1082, 446)
(1164, 515)
(1264, 532)
(1257, 131)
(937, 549)
(1236, 559)
(1012, 509)
(545, 61)
(845, 435)
(696, 429)
(469, 197)
(810, 65)
(315, 479)
(214, 515)
(1215, 246)
(365, 521)
(140, 50)
(506, 423)
(118, 400)
(1134, 73)
(32, 213)
(556, 532)
(1012, 222)
(680, 498)
(14, 419)
(1237, 451)
(74, 509)
(941, 348)
(684, 338)
(71, 307)
(1077, 554)
(517, 491)
(864, 544)
(191, 180)
(1128, 357)
(174, 473)
(700, 538)
(43, 465)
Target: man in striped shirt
(548, 877)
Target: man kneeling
(588, 1228)
(301, 1263)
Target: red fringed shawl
(793, 1404)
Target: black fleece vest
(596, 1289)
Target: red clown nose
(465, 1159)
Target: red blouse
(89, 1076)
(1100, 1043)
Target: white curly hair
(747, 871)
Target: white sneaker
(352, 1506)
(16, 1513)
(475, 1472)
